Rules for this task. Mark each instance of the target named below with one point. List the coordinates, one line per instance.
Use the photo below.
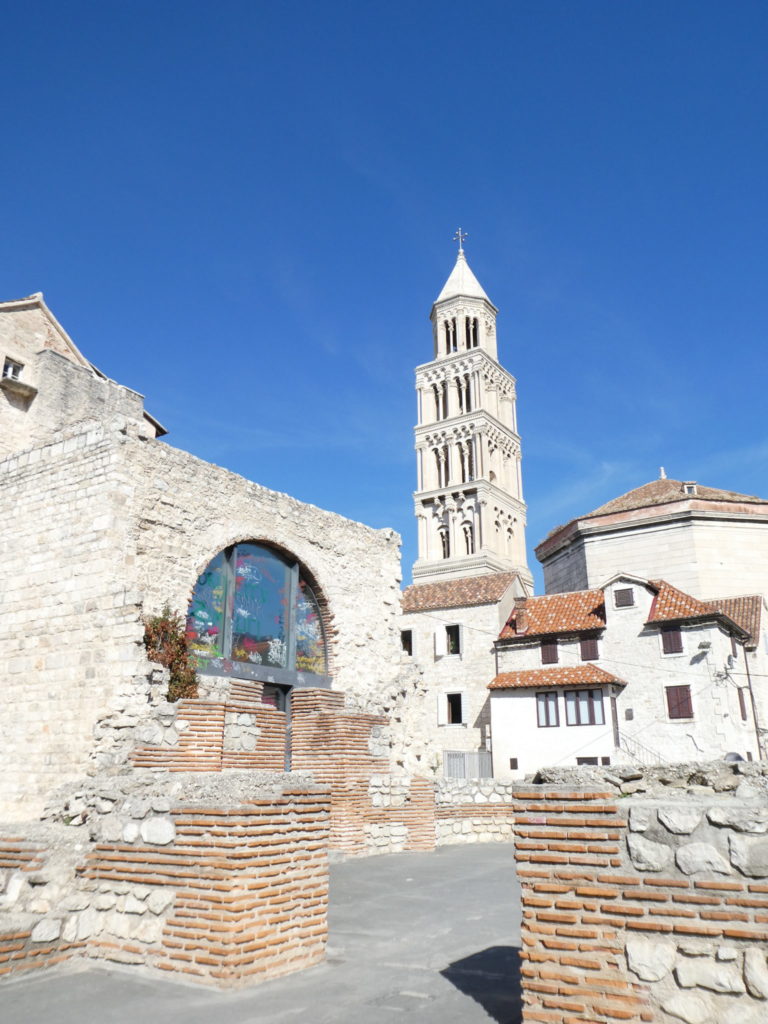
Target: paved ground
(420, 936)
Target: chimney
(520, 615)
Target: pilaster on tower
(469, 498)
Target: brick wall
(648, 911)
(229, 885)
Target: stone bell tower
(469, 498)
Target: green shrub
(165, 638)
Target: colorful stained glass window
(252, 607)
(310, 642)
(205, 618)
(259, 614)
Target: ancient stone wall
(223, 880)
(650, 908)
(473, 811)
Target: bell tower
(469, 498)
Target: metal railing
(645, 756)
(463, 764)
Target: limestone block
(743, 819)
(88, 923)
(158, 831)
(727, 953)
(130, 832)
(133, 905)
(756, 973)
(694, 857)
(706, 973)
(647, 855)
(679, 819)
(69, 931)
(690, 1007)
(104, 900)
(160, 899)
(46, 930)
(649, 959)
(640, 819)
(750, 856)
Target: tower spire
(460, 236)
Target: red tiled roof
(744, 611)
(659, 492)
(563, 675)
(573, 612)
(460, 593)
(671, 604)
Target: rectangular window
(406, 641)
(671, 640)
(546, 710)
(742, 704)
(586, 760)
(624, 598)
(679, 702)
(513, 763)
(605, 760)
(12, 370)
(455, 709)
(589, 648)
(584, 707)
(453, 639)
(549, 652)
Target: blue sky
(245, 211)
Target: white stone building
(704, 540)
(635, 671)
(471, 521)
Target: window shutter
(624, 598)
(589, 648)
(442, 709)
(549, 652)
(671, 640)
(461, 641)
(742, 704)
(679, 702)
(441, 643)
(464, 708)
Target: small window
(589, 648)
(513, 764)
(671, 640)
(274, 696)
(453, 639)
(584, 707)
(12, 370)
(749, 755)
(546, 710)
(455, 709)
(586, 760)
(689, 488)
(734, 647)
(549, 652)
(742, 704)
(406, 641)
(629, 714)
(679, 702)
(605, 760)
(624, 598)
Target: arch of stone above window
(253, 614)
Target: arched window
(469, 538)
(254, 615)
(445, 542)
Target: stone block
(753, 820)
(750, 856)
(158, 831)
(647, 855)
(650, 959)
(47, 930)
(707, 973)
(679, 819)
(694, 858)
(689, 1007)
(756, 973)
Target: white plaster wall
(633, 653)
(706, 557)
(468, 673)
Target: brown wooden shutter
(549, 652)
(625, 598)
(742, 705)
(671, 640)
(589, 650)
(679, 702)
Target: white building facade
(633, 672)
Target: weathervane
(460, 236)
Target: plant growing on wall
(165, 638)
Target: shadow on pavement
(491, 978)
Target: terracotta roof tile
(564, 675)
(671, 604)
(744, 611)
(457, 593)
(573, 612)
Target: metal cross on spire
(460, 236)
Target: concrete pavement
(420, 936)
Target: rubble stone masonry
(644, 908)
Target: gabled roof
(462, 281)
(745, 611)
(564, 675)
(673, 605)
(461, 593)
(573, 612)
(48, 331)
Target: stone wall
(473, 811)
(652, 908)
(223, 880)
